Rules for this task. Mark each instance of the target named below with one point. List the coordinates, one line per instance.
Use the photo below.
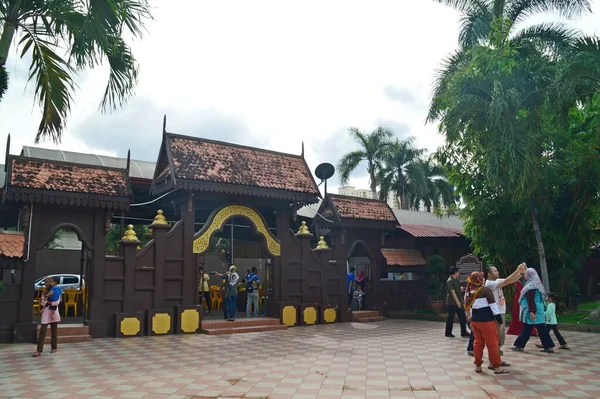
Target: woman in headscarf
(531, 302)
(485, 317)
(361, 283)
(516, 326)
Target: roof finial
(302, 155)
(165, 123)
(7, 153)
(128, 161)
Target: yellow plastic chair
(37, 306)
(71, 297)
(216, 299)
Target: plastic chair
(72, 297)
(37, 302)
(216, 299)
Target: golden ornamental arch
(216, 223)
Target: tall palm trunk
(540, 244)
(373, 182)
(8, 31)
(404, 200)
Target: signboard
(467, 265)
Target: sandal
(517, 349)
(36, 354)
(539, 345)
(564, 347)
(547, 351)
(501, 371)
(54, 351)
(503, 364)
(478, 369)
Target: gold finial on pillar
(130, 235)
(322, 244)
(303, 230)
(160, 218)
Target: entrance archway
(235, 225)
(65, 255)
(360, 258)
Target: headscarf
(474, 285)
(532, 282)
(361, 276)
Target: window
(70, 280)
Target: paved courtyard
(392, 359)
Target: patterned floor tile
(394, 359)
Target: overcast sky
(263, 73)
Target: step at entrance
(69, 333)
(366, 316)
(260, 324)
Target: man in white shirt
(496, 284)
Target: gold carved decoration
(161, 323)
(289, 316)
(322, 244)
(310, 315)
(130, 234)
(130, 326)
(303, 230)
(201, 243)
(190, 320)
(329, 315)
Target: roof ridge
(79, 153)
(228, 144)
(55, 162)
(358, 198)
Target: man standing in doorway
(454, 305)
(350, 279)
(252, 284)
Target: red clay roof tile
(11, 245)
(417, 230)
(65, 177)
(362, 208)
(403, 257)
(217, 162)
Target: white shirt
(498, 294)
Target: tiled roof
(427, 219)
(403, 257)
(46, 181)
(48, 175)
(361, 208)
(209, 163)
(429, 231)
(11, 245)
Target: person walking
(552, 322)
(204, 291)
(454, 305)
(484, 313)
(350, 284)
(497, 284)
(532, 313)
(50, 315)
(361, 284)
(232, 291)
(252, 284)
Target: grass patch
(578, 316)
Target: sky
(265, 73)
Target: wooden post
(159, 232)
(189, 266)
(129, 243)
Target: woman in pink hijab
(361, 283)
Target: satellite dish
(324, 171)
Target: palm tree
(436, 191)
(492, 95)
(402, 173)
(373, 149)
(88, 33)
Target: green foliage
(436, 272)
(3, 81)
(64, 37)
(54, 242)
(219, 246)
(115, 235)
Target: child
(358, 297)
(50, 315)
(551, 321)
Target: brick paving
(394, 359)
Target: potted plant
(437, 283)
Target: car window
(70, 280)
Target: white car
(66, 281)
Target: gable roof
(417, 230)
(359, 212)
(12, 244)
(207, 165)
(403, 257)
(40, 180)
